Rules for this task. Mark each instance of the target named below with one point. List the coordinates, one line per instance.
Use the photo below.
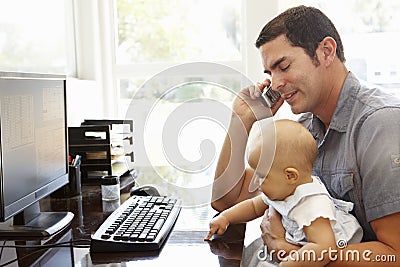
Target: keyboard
(141, 223)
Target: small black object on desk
(145, 190)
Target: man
(357, 130)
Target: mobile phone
(269, 96)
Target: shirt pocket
(342, 183)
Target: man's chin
(295, 110)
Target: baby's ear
(292, 175)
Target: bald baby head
(294, 147)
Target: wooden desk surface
(184, 247)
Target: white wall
(83, 101)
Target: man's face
(294, 75)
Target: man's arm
(273, 233)
(231, 176)
(383, 252)
(378, 141)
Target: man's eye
(285, 67)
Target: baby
(311, 217)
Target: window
(155, 35)
(153, 39)
(178, 31)
(162, 79)
(37, 36)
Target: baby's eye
(260, 179)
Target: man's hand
(273, 233)
(248, 106)
(272, 229)
(218, 226)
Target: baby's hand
(218, 226)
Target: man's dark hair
(304, 27)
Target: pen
(77, 160)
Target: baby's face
(274, 184)
(273, 153)
(260, 160)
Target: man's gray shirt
(359, 155)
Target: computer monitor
(33, 152)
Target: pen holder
(73, 188)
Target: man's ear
(292, 175)
(329, 50)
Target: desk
(184, 247)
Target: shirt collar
(347, 98)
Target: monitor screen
(34, 154)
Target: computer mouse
(145, 190)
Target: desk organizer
(106, 147)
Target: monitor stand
(33, 223)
